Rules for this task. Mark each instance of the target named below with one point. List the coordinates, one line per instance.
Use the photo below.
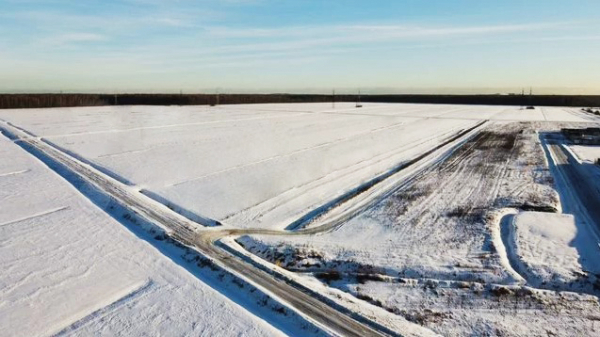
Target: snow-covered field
(256, 165)
(69, 268)
(433, 252)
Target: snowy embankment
(70, 268)
(550, 248)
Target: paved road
(580, 181)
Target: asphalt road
(580, 181)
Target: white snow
(255, 165)
(378, 314)
(551, 247)
(67, 267)
(470, 311)
(586, 153)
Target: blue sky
(300, 46)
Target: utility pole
(530, 96)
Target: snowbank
(551, 247)
(586, 153)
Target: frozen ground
(69, 268)
(256, 165)
(471, 310)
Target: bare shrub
(329, 276)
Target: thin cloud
(73, 38)
(377, 30)
(115, 23)
(348, 39)
(293, 39)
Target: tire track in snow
(122, 298)
(585, 117)
(13, 173)
(297, 191)
(169, 126)
(33, 216)
(506, 249)
(544, 114)
(289, 154)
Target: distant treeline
(18, 101)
